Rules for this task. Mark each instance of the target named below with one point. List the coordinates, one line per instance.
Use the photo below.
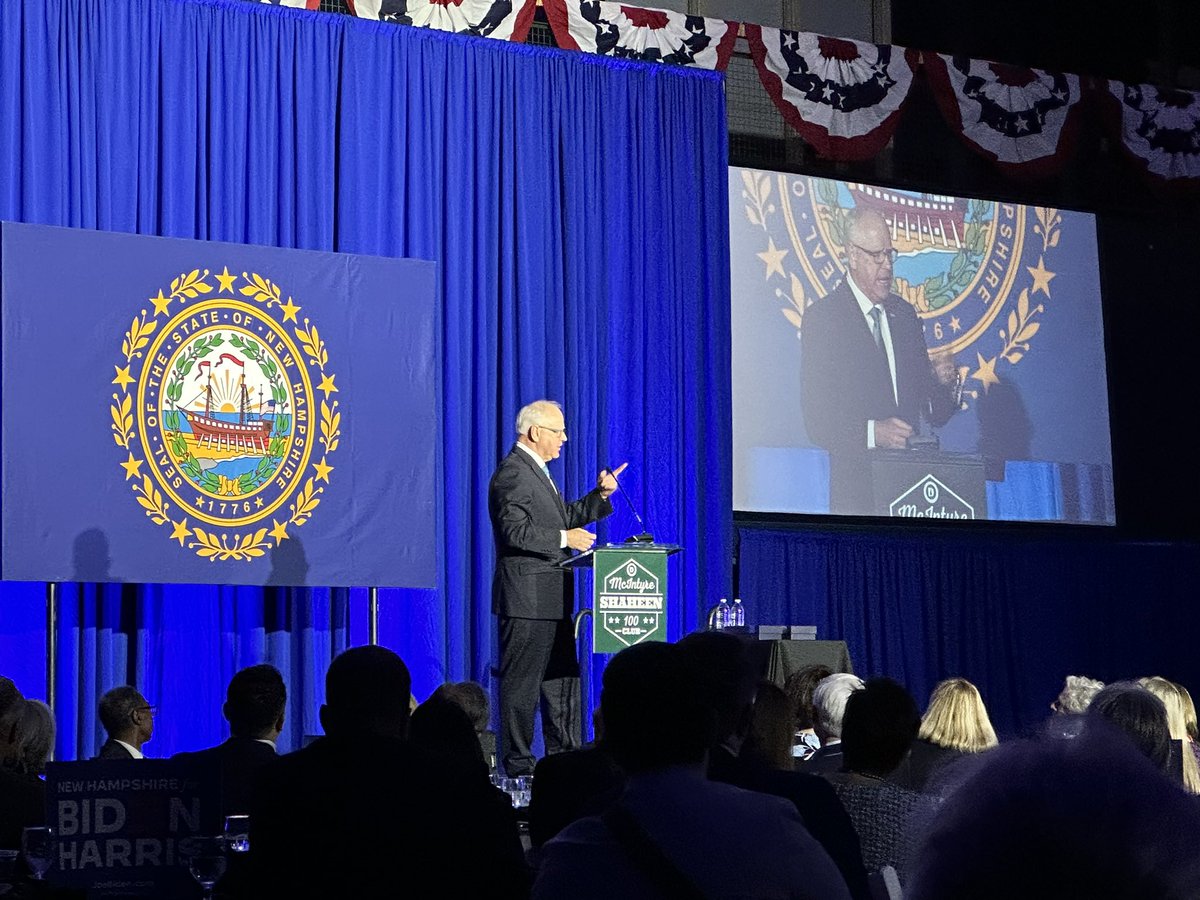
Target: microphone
(645, 537)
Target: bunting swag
(650, 35)
(1160, 127)
(1018, 117)
(843, 97)
(506, 20)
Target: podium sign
(629, 593)
(928, 485)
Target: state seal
(224, 397)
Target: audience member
(356, 802)
(26, 739)
(1182, 764)
(1070, 705)
(473, 699)
(255, 702)
(799, 688)
(8, 694)
(1189, 720)
(1080, 818)
(570, 786)
(880, 725)
(829, 705)
(768, 743)
(129, 721)
(657, 840)
(442, 728)
(724, 672)
(955, 725)
(1138, 714)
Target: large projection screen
(1007, 299)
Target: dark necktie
(877, 331)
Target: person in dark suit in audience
(471, 696)
(535, 529)
(254, 707)
(722, 668)
(658, 839)
(569, 786)
(362, 812)
(955, 726)
(129, 722)
(829, 705)
(26, 738)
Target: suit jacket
(110, 749)
(824, 761)
(568, 786)
(763, 849)
(816, 801)
(368, 816)
(845, 382)
(22, 804)
(238, 762)
(528, 516)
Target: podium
(928, 484)
(629, 593)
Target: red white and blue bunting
(633, 32)
(844, 97)
(505, 20)
(1016, 116)
(1160, 127)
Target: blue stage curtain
(1014, 614)
(576, 207)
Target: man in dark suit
(534, 598)
(129, 721)
(254, 708)
(866, 375)
(361, 812)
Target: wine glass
(206, 860)
(37, 846)
(237, 833)
(523, 790)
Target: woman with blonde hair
(955, 725)
(1183, 761)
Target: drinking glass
(37, 845)
(206, 860)
(237, 833)
(522, 790)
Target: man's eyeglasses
(879, 257)
(555, 430)
(153, 710)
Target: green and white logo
(630, 600)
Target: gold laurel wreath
(208, 544)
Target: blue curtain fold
(576, 208)
(1015, 614)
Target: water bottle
(739, 613)
(722, 618)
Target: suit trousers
(537, 656)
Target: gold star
(1041, 277)
(181, 531)
(322, 470)
(200, 502)
(258, 502)
(289, 311)
(279, 532)
(123, 377)
(160, 303)
(773, 257)
(131, 466)
(986, 373)
(326, 385)
(226, 280)
(955, 325)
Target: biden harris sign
(186, 411)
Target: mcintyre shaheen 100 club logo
(223, 413)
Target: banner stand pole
(373, 616)
(51, 643)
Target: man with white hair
(535, 529)
(829, 708)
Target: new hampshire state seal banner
(195, 412)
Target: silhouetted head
(829, 703)
(469, 695)
(26, 736)
(956, 718)
(654, 713)
(1137, 714)
(126, 715)
(724, 674)
(799, 688)
(255, 702)
(366, 692)
(880, 725)
(442, 728)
